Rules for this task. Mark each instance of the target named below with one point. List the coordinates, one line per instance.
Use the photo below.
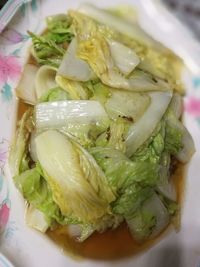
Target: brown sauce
(113, 244)
(32, 61)
(22, 107)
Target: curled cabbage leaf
(144, 127)
(74, 68)
(121, 172)
(75, 89)
(95, 50)
(54, 94)
(134, 184)
(78, 185)
(18, 154)
(45, 80)
(149, 220)
(124, 57)
(114, 136)
(34, 188)
(26, 87)
(115, 22)
(178, 140)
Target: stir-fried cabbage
(136, 104)
(62, 113)
(144, 127)
(78, 185)
(36, 190)
(150, 220)
(79, 69)
(114, 22)
(124, 57)
(49, 48)
(54, 94)
(36, 219)
(73, 88)
(45, 80)
(105, 134)
(94, 49)
(133, 182)
(18, 154)
(28, 81)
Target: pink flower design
(9, 68)
(13, 37)
(4, 215)
(192, 106)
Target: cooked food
(103, 132)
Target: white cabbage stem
(45, 80)
(36, 219)
(26, 87)
(188, 144)
(140, 131)
(124, 57)
(73, 67)
(61, 113)
(156, 207)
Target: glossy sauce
(113, 244)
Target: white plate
(4, 262)
(24, 246)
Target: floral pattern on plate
(13, 44)
(4, 193)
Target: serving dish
(26, 247)
(4, 262)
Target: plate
(4, 261)
(24, 246)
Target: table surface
(188, 11)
